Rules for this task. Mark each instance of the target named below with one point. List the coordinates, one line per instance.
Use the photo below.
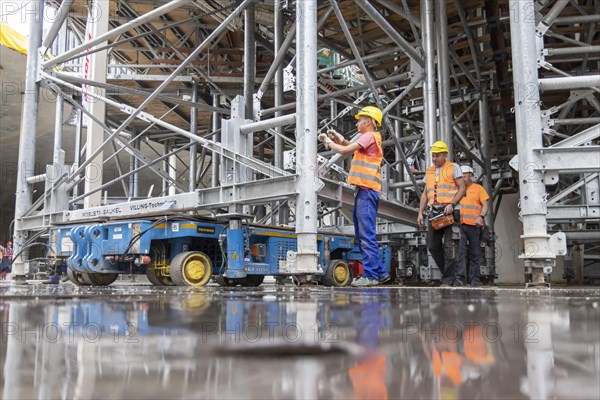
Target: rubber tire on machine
(252, 280)
(98, 279)
(191, 268)
(76, 277)
(338, 274)
(225, 282)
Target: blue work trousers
(471, 234)
(365, 232)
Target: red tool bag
(439, 220)
(442, 221)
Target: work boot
(365, 282)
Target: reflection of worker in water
(368, 375)
(459, 350)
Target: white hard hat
(466, 168)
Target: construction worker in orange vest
(473, 208)
(444, 187)
(365, 174)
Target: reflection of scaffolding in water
(192, 345)
(164, 81)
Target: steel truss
(214, 109)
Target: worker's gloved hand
(323, 138)
(335, 136)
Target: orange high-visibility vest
(368, 379)
(471, 204)
(476, 347)
(365, 171)
(440, 187)
(447, 363)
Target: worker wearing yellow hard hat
(371, 112)
(439, 147)
(444, 188)
(365, 174)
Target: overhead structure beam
(391, 31)
(76, 52)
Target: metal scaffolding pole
(281, 216)
(61, 17)
(95, 133)
(429, 89)
(58, 126)
(77, 156)
(133, 166)
(249, 60)
(528, 120)
(194, 147)
(27, 142)
(215, 159)
(306, 137)
(485, 137)
(443, 58)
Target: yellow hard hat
(371, 112)
(439, 147)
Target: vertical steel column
(194, 131)
(249, 81)
(281, 216)
(77, 157)
(215, 159)
(397, 156)
(134, 165)
(485, 138)
(306, 136)
(166, 167)
(445, 133)
(29, 125)
(249, 60)
(429, 92)
(172, 160)
(528, 120)
(95, 132)
(58, 126)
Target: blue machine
(190, 252)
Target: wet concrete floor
(286, 342)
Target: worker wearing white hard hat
(473, 209)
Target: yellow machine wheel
(338, 274)
(192, 268)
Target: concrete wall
(509, 267)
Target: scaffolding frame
(430, 74)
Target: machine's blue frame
(119, 247)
